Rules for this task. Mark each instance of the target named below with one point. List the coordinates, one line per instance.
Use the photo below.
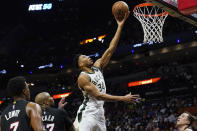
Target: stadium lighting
(97, 55)
(3, 72)
(178, 40)
(45, 66)
(57, 96)
(138, 45)
(150, 42)
(144, 82)
(91, 40)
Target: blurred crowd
(160, 115)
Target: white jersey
(98, 80)
(91, 112)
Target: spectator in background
(185, 122)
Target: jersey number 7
(14, 126)
(49, 127)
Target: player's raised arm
(104, 60)
(90, 88)
(34, 112)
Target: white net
(152, 19)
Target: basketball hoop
(152, 19)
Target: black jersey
(14, 117)
(56, 119)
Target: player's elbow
(99, 96)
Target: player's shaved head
(44, 100)
(41, 98)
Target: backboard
(172, 7)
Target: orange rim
(148, 4)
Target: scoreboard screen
(37, 7)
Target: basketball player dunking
(90, 115)
(21, 115)
(53, 119)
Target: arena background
(40, 44)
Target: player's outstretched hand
(62, 103)
(121, 23)
(129, 98)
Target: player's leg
(101, 123)
(76, 124)
(87, 124)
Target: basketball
(119, 9)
